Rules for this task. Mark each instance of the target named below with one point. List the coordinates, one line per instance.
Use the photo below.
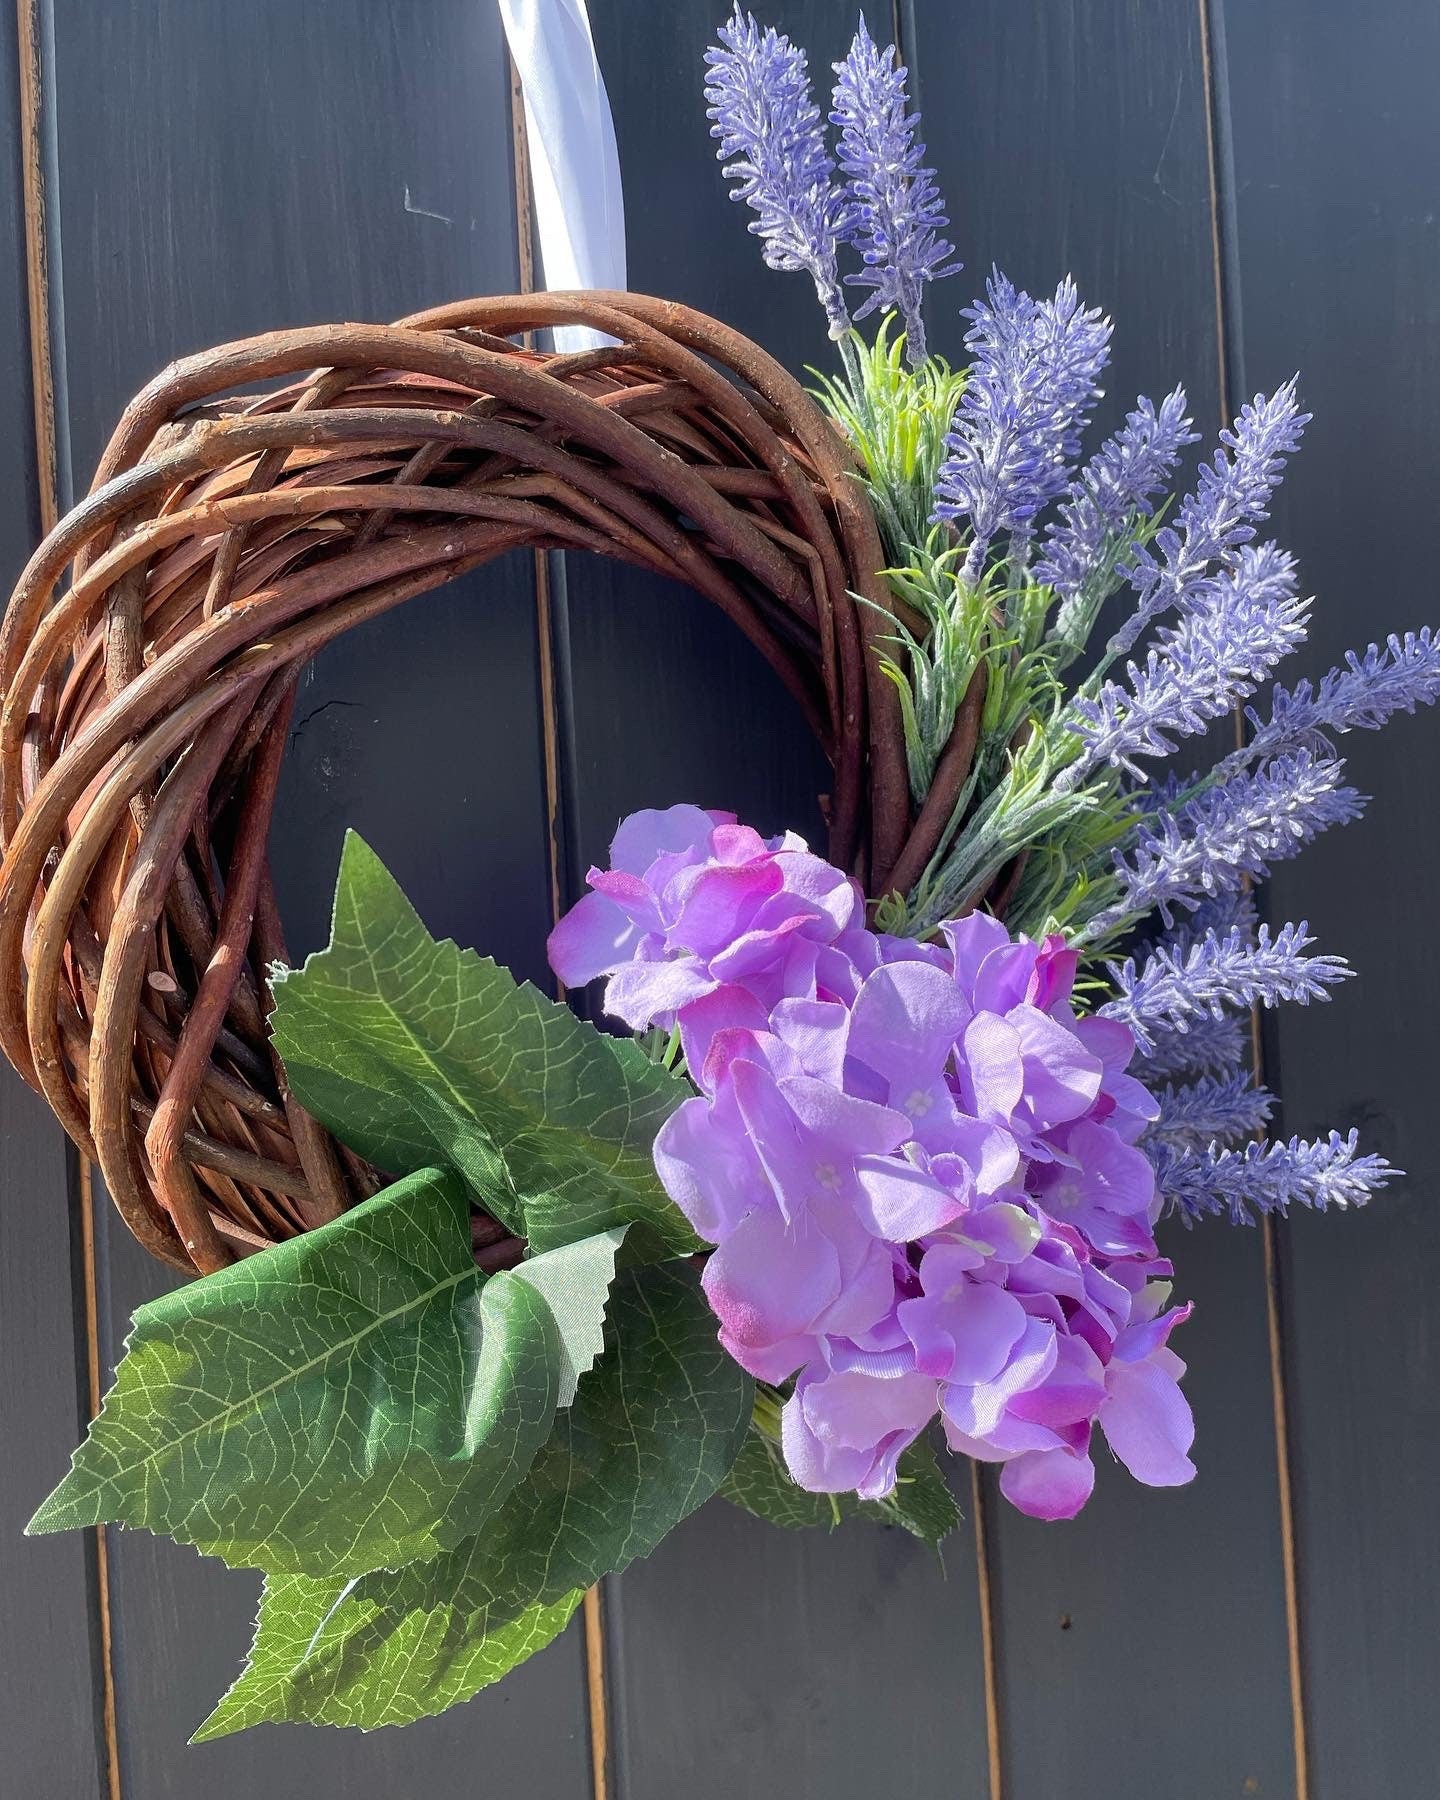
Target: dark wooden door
(1246, 187)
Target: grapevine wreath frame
(227, 538)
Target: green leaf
(416, 1052)
(654, 1428)
(921, 1504)
(294, 1625)
(356, 1397)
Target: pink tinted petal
(899, 1202)
(1148, 1423)
(593, 938)
(1048, 1484)
(650, 833)
(770, 1280)
(735, 844)
(718, 903)
(1054, 974)
(724, 1009)
(772, 1362)
(651, 993)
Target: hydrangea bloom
(919, 1168)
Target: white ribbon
(574, 165)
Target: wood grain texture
(743, 1660)
(345, 161)
(50, 1686)
(1336, 144)
(1072, 138)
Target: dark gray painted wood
(49, 1693)
(747, 1660)
(1072, 139)
(222, 171)
(1337, 147)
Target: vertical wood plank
(744, 1659)
(50, 1680)
(1072, 138)
(224, 171)
(1336, 144)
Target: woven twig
(224, 542)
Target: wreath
(490, 1299)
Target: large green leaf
(354, 1398)
(921, 1503)
(299, 1615)
(416, 1052)
(654, 1428)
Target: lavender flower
(1248, 619)
(1206, 1045)
(1033, 380)
(1239, 828)
(1269, 1178)
(896, 213)
(1359, 697)
(1233, 495)
(772, 143)
(1224, 1108)
(1116, 484)
(1216, 975)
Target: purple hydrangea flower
(772, 142)
(920, 1170)
(896, 213)
(1032, 382)
(1114, 487)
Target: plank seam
(31, 34)
(1230, 357)
(593, 1611)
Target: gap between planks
(1225, 287)
(593, 1611)
(42, 384)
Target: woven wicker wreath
(226, 539)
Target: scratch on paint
(422, 212)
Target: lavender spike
(1219, 974)
(896, 213)
(1233, 495)
(1034, 377)
(772, 143)
(1268, 1178)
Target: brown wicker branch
(228, 537)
